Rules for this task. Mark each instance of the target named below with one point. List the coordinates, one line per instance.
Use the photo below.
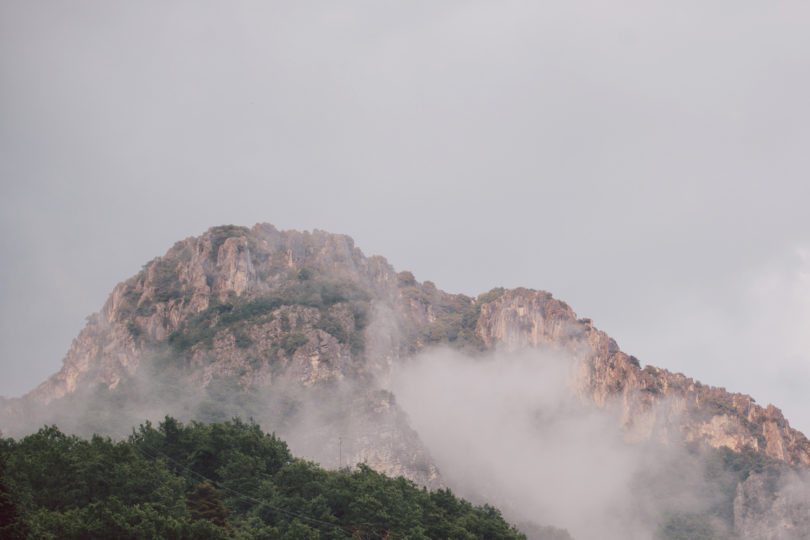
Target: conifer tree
(204, 503)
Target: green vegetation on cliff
(309, 293)
(723, 469)
(221, 480)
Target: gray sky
(647, 162)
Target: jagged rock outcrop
(225, 264)
(262, 305)
(266, 307)
(773, 505)
(653, 403)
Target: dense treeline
(220, 480)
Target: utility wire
(391, 534)
(233, 491)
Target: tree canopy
(219, 480)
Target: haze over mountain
(647, 163)
(507, 397)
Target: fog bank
(507, 430)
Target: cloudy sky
(647, 162)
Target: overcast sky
(647, 162)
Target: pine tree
(205, 503)
(11, 522)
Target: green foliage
(165, 280)
(309, 292)
(12, 526)
(205, 503)
(360, 314)
(241, 338)
(219, 480)
(129, 300)
(224, 398)
(219, 234)
(145, 308)
(723, 470)
(455, 320)
(454, 317)
(199, 328)
(298, 531)
(73, 488)
(406, 279)
(250, 310)
(687, 527)
(722, 403)
(134, 329)
(332, 326)
(204, 448)
(491, 295)
(292, 341)
(740, 464)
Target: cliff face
(263, 306)
(226, 267)
(772, 506)
(272, 310)
(652, 403)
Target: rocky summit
(301, 331)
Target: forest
(219, 480)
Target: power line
(370, 528)
(233, 491)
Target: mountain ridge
(302, 331)
(200, 275)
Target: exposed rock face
(653, 403)
(523, 318)
(773, 505)
(263, 306)
(103, 349)
(211, 269)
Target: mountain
(304, 333)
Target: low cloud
(506, 429)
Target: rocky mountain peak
(301, 328)
(313, 302)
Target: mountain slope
(302, 331)
(650, 400)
